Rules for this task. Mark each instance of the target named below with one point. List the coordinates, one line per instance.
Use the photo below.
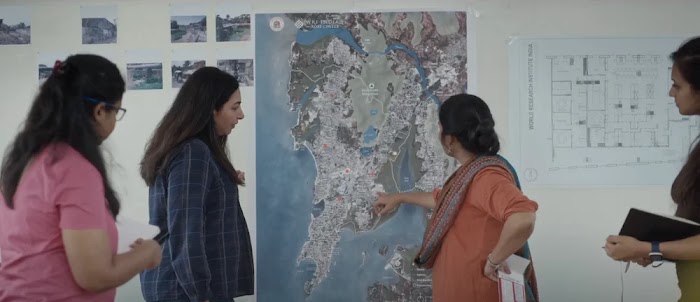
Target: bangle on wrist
(491, 263)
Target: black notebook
(647, 226)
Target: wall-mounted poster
(346, 108)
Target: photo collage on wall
(189, 23)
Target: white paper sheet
(130, 230)
(595, 112)
(512, 286)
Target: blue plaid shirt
(207, 252)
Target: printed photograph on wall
(144, 70)
(232, 23)
(99, 23)
(184, 63)
(46, 61)
(15, 25)
(188, 23)
(144, 76)
(241, 69)
(181, 70)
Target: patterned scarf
(450, 200)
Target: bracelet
(488, 260)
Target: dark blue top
(207, 252)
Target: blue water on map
(309, 37)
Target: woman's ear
(449, 140)
(99, 112)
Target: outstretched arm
(387, 203)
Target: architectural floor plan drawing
(596, 112)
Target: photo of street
(188, 29)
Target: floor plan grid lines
(594, 107)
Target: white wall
(572, 223)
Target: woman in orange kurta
(481, 217)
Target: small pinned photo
(188, 23)
(46, 62)
(242, 69)
(232, 23)
(144, 76)
(15, 25)
(182, 70)
(99, 23)
(185, 61)
(144, 70)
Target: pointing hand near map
(241, 175)
(386, 203)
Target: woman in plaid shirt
(207, 254)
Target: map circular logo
(276, 24)
(530, 174)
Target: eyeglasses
(120, 111)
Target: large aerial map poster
(346, 108)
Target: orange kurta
(458, 270)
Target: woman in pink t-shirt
(58, 238)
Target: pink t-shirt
(59, 190)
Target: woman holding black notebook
(685, 190)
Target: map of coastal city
(365, 90)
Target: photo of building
(236, 28)
(241, 69)
(99, 31)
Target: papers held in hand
(511, 287)
(647, 226)
(130, 230)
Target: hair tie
(58, 67)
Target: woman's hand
(491, 269)
(151, 249)
(241, 175)
(386, 203)
(625, 248)
(643, 262)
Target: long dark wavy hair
(192, 116)
(685, 190)
(60, 113)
